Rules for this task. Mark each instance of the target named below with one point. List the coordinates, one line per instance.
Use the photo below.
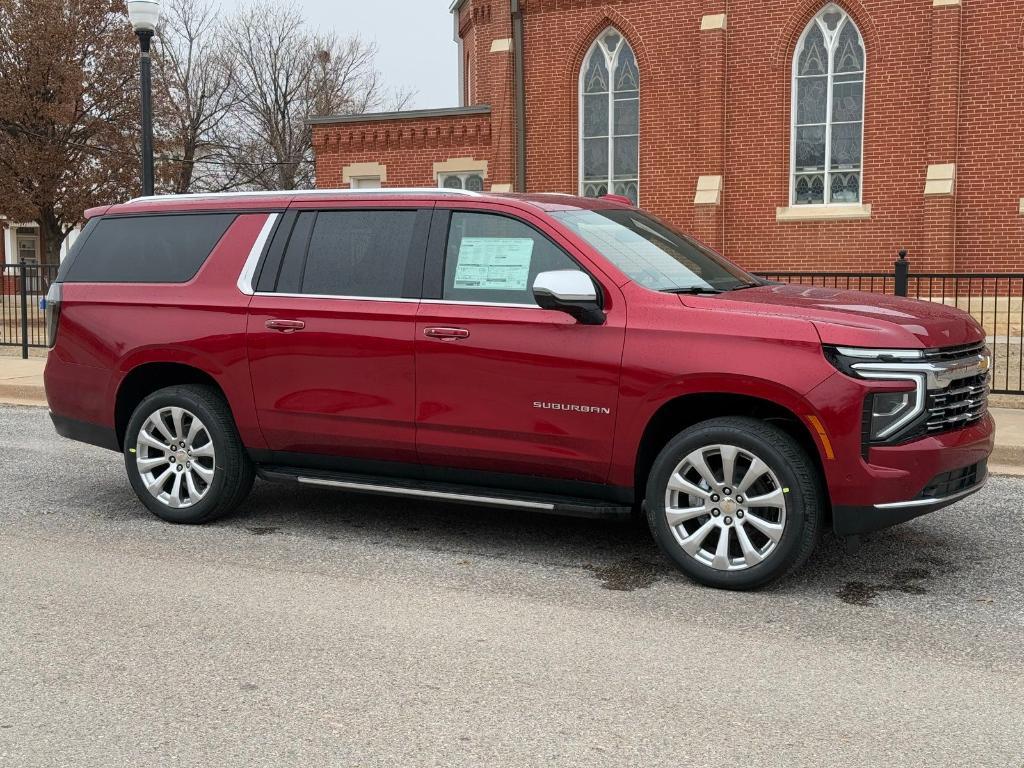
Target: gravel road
(323, 629)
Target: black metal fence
(23, 290)
(994, 299)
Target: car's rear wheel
(735, 502)
(184, 457)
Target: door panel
(343, 384)
(330, 333)
(486, 401)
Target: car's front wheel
(184, 457)
(735, 502)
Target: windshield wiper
(693, 290)
(745, 287)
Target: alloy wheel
(726, 508)
(175, 457)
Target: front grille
(954, 481)
(963, 402)
(954, 353)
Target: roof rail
(279, 193)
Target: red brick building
(793, 134)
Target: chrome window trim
(386, 299)
(255, 253)
(480, 303)
(334, 296)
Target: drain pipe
(519, 88)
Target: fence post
(24, 314)
(902, 273)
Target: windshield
(654, 255)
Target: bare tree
(68, 111)
(286, 75)
(196, 84)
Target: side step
(569, 506)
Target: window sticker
(494, 263)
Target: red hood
(855, 318)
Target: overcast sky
(415, 48)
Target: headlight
(888, 416)
(886, 413)
(890, 411)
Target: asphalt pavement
(322, 629)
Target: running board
(570, 506)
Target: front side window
(495, 259)
(471, 180)
(609, 93)
(828, 111)
(355, 253)
(653, 254)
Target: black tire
(233, 470)
(791, 465)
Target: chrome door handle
(446, 334)
(285, 326)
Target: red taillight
(52, 310)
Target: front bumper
(850, 521)
(890, 484)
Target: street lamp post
(144, 15)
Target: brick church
(790, 135)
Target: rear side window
(149, 249)
(359, 253)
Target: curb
(1008, 456)
(1006, 470)
(22, 394)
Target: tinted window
(148, 249)
(290, 280)
(495, 259)
(359, 253)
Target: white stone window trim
(362, 171)
(864, 210)
(611, 63)
(813, 213)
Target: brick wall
(945, 84)
(408, 148)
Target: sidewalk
(21, 383)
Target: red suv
(538, 352)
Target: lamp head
(144, 15)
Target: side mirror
(569, 291)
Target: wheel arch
(686, 410)
(145, 379)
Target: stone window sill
(796, 213)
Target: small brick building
(791, 135)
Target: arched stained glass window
(610, 119)
(828, 111)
